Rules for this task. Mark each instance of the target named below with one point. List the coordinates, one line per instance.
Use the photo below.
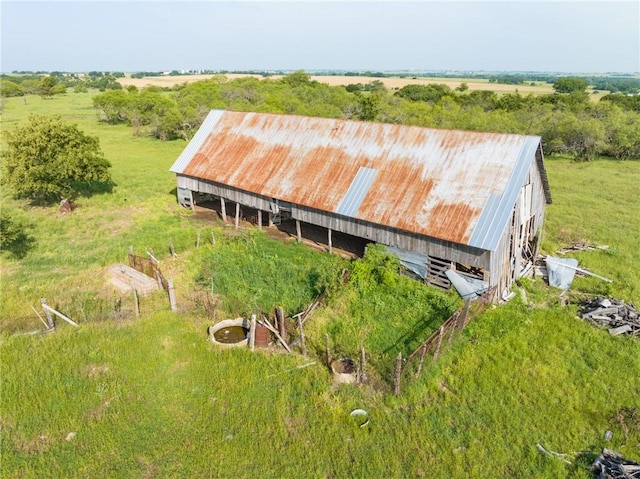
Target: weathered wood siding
(525, 222)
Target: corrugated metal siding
(197, 141)
(436, 183)
(495, 214)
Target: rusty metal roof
(457, 186)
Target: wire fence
(412, 366)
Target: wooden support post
(40, 318)
(423, 353)
(435, 355)
(298, 232)
(237, 215)
(268, 325)
(260, 220)
(328, 351)
(198, 240)
(46, 307)
(270, 218)
(172, 296)
(280, 321)
(252, 333)
(396, 379)
(329, 240)
(213, 238)
(223, 209)
(52, 326)
(136, 303)
(302, 344)
(363, 375)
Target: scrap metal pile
(617, 316)
(611, 465)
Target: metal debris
(616, 315)
(611, 465)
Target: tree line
(568, 121)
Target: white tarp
(561, 271)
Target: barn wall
(504, 265)
(525, 223)
(237, 196)
(394, 237)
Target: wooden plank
(58, 314)
(172, 296)
(620, 330)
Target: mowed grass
(152, 397)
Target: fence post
(172, 250)
(172, 296)
(396, 381)
(280, 319)
(302, 343)
(435, 355)
(259, 220)
(136, 304)
(326, 343)
(422, 356)
(198, 240)
(453, 325)
(465, 314)
(52, 326)
(363, 374)
(252, 333)
(213, 238)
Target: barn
(458, 207)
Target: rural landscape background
(98, 99)
(151, 396)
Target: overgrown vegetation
(125, 397)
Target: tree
(369, 107)
(570, 85)
(47, 160)
(46, 87)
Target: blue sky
(558, 36)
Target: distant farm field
(391, 83)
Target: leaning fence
(442, 337)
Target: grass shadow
(20, 246)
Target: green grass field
(152, 397)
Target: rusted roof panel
(453, 185)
